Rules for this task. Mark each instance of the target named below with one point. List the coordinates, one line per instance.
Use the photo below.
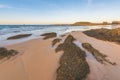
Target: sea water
(36, 30)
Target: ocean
(36, 30)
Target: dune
(37, 60)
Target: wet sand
(100, 71)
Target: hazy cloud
(89, 2)
(4, 6)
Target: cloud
(4, 6)
(89, 2)
(25, 9)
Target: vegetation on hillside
(112, 35)
(89, 24)
(73, 65)
(4, 53)
(19, 36)
(49, 35)
(98, 56)
(116, 22)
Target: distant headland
(90, 23)
(95, 24)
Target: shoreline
(37, 54)
(37, 31)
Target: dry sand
(38, 60)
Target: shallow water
(88, 54)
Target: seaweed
(100, 57)
(112, 35)
(19, 36)
(49, 35)
(55, 41)
(73, 65)
(4, 53)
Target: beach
(59, 40)
(37, 60)
(35, 31)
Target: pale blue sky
(58, 11)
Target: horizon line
(55, 23)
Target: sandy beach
(59, 39)
(38, 60)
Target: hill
(89, 24)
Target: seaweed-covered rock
(4, 53)
(19, 36)
(112, 35)
(49, 35)
(73, 65)
(55, 41)
(98, 56)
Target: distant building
(105, 23)
(116, 24)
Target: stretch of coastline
(37, 59)
(35, 31)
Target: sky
(58, 11)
